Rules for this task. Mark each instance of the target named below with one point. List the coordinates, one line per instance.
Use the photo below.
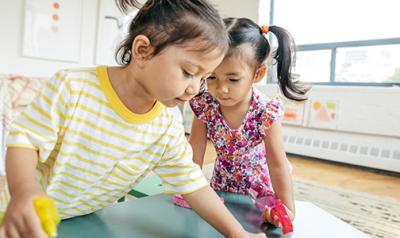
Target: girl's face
(232, 81)
(174, 75)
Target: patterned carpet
(376, 216)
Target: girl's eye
(234, 80)
(187, 74)
(211, 77)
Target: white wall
(367, 131)
(238, 8)
(110, 32)
(11, 37)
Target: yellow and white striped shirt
(93, 150)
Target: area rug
(377, 216)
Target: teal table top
(156, 216)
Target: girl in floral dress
(244, 125)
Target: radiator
(357, 149)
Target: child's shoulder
(76, 76)
(268, 106)
(264, 101)
(76, 73)
(174, 114)
(203, 106)
(80, 72)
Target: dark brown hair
(173, 22)
(245, 31)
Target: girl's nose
(223, 89)
(190, 90)
(193, 87)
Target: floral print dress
(241, 158)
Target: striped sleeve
(177, 169)
(39, 125)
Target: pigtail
(285, 56)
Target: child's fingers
(268, 218)
(34, 227)
(276, 221)
(289, 212)
(2, 235)
(273, 220)
(21, 228)
(12, 232)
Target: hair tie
(264, 29)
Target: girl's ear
(141, 49)
(260, 73)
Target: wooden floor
(346, 176)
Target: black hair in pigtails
(285, 56)
(245, 31)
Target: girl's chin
(226, 103)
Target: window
(342, 42)
(316, 21)
(313, 66)
(375, 64)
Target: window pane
(313, 66)
(372, 64)
(316, 21)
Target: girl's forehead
(234, 64)
(243, 51)
(198, 57)
(202, 45)
(238, 61)
(204, 60)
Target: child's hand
(20, 219)
(275, 220)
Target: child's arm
(278, 167)
(20, 219)
(208, 205)
(198, 140)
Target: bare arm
(20, 219)
(198, 141)
(20, 166)
(278, 167)
(209, 206)
(205, 201)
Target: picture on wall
(323, 114)
(52, 29)
(294, 112)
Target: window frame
(333, 47)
